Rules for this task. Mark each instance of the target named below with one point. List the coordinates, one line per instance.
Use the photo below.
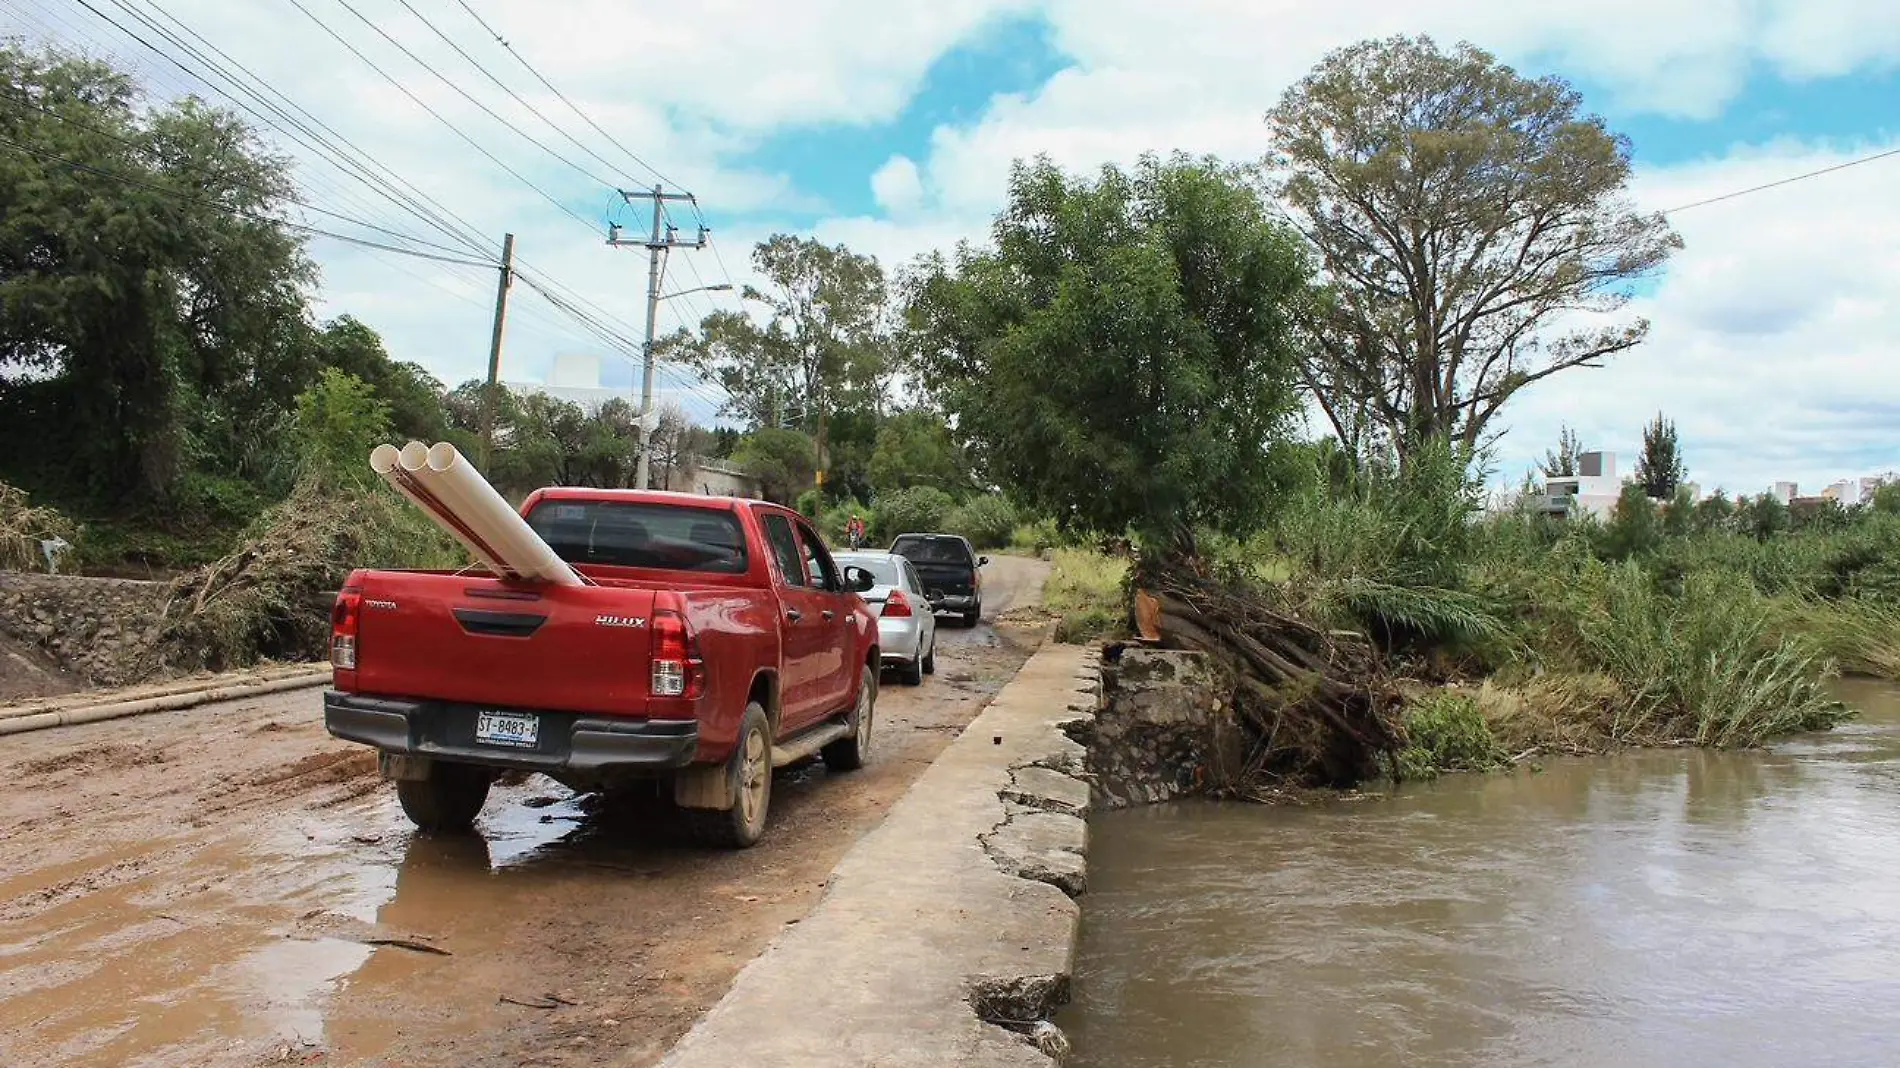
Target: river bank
(1654, 907)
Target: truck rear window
(932, 550)
(624, 534)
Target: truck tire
(749, 770)
(446, 802)
(971, 617)
(850, 752)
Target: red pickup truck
(709, 641)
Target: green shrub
(811, 503)
(1035, 537)
(1086, 593)
(918, 510)
(1706, 667)
(338, 421)
(987, 521)
(1446, 732)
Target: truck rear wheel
(850, 752)
(447, 800)
(749, 773)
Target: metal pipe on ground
(67, 717)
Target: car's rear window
(882, 568)
(932, 550)
(625, 534)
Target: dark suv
(951, 570)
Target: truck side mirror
(857, 579)
(982, 561)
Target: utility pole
(494, 344)
(662, 241)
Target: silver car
(906, 627)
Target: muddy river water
(1653, 908)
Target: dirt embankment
(227, 885)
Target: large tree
(820, 340)
(1659, 468)
(1473, 229)
(1124, 356)
(151, 309)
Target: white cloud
(1773, 337)
(897, 186)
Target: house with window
(1593, 490)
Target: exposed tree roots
(1320, 705)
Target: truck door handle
(829, 614)
(794, 614)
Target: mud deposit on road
(227, 885)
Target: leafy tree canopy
(1125, 355)
(151, 308)
(914, 448)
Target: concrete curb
(946, 936)
(202, 693)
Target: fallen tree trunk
(1319, 702)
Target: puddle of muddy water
(175, 952)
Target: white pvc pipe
(386, 461)
(66, 717)
(447, 474)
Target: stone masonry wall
(97, 627)
(1165, 728)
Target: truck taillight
(896, 605)
(677, 669)
(345, 616)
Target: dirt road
(227, 885)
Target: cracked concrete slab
(1049, 847)
(920, 922)
(1044, 788)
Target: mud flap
(399, 767)
(708, 787)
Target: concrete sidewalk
(922, 915)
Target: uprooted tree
(1126, 358)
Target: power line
(506, 88)
(354, 162)
(154, 152)
(253, 216)
(1787, 181)
(575, 108)
(465, 94)
(418, 101)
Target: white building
(575, 377)
(1592, 490)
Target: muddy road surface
(227, 885)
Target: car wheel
(749, 769)
(975, 613)
(850, 752)
(930, 658)
(448, 800)
(912, 673)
